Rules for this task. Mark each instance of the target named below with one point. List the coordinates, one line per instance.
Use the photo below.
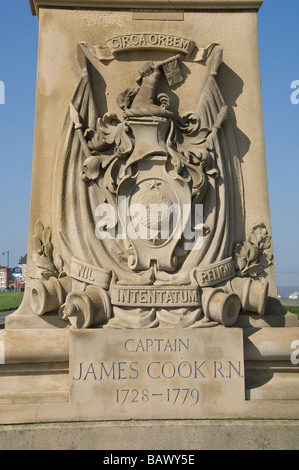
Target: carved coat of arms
(148, 211)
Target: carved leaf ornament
(42, 253)
(253, 256)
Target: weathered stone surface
(159, 110)
(163, 134)
(149, 4)
(159, 435)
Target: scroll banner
(174, 296)
(214, 274)
(145, 41)
(207, 276)
(89, 274)
(152, 296)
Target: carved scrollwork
(149, 155)
(84, 309)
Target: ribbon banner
(152, 296)
(214, 274)
(145, 41)
(88, 274)
(207, 276)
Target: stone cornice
(149, 4)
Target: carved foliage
(254, 255)
(49, 265)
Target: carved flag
(173, 72)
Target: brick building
(22, 264)
(6, 278)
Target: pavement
(3, 315)
(289, 302)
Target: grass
(293, 309)
(10, 300)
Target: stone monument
(150, 290)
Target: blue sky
(279, 40)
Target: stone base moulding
(159, 435)
(149, 4)
(160, 374)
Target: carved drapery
(148, 154)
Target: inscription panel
(143, 374)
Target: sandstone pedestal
(169, 313)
